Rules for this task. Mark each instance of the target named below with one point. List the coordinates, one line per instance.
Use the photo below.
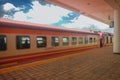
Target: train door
(110, 39)
(107, 40)
(101, 42)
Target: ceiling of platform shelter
(102, 10)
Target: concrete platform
(95, 64)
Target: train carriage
(23, 39)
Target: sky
(39, 11)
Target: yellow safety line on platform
(13, 68)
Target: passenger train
(19, 40)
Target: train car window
(55, 41)
(41, 41)
(3, 44)
(86, 40)
(22, 42)
(74, 40)
(65, 41)
(94, 40)
(80, 40)
(90, 40)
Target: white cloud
(50, 14)
(20, 16)
(9, 6)
(42, 14)
(84, 21)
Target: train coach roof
(28, 25)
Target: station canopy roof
(101, 10)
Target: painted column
(116, 45)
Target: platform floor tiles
(95, 64)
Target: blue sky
(39, 11)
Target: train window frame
(80, 40)
(86, 40)
(55, 41)
(74, 40)
(94, 40)
(42, 40)
(3, 42)
(65, 42)
(90, 39)
(22, 43)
